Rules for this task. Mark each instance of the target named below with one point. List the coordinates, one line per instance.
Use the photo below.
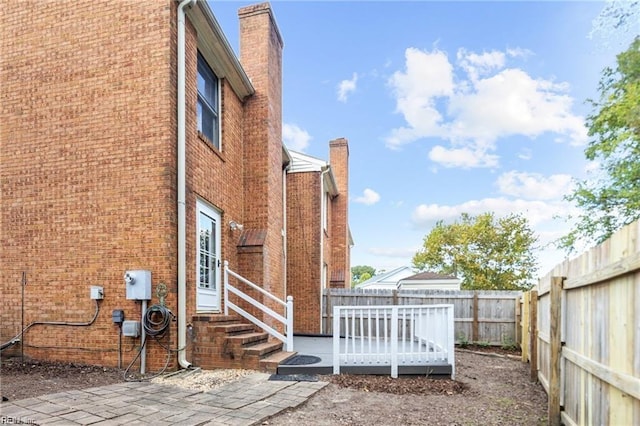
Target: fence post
(533, 334)
(451, 349)
(336, 340)
(518, 324)
(394, 342)
(524, 325)
(474, 325)
(555, 315)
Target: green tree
(361, 273)
(611, 199)
(485, 252)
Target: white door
(208, 258)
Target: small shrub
(508, 344)
(463, 342)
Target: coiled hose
(156, 321)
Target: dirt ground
(488, 390)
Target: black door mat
(301, 360)
(294, 377)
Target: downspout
(323, 212)
(182, 223)
(284, 225)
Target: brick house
(133, 138)
(317, 211)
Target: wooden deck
(322, 347)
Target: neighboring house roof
(422, 276)
(387, 279)
(405, 278)
(430, 280)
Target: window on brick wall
(208, 103)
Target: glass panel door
(208, 261)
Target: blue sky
(448, 107)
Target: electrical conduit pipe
(182, 263)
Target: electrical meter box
(138, 284)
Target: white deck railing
(286, 319)
(393, 335)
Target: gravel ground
(489, 390)
(202, 380)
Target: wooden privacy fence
(486, 317)
(583, 324)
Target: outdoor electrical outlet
(97, 292)
(131, 328)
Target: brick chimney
(261, 57)
(340, 250)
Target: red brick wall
(88, 175)
(261, 57)
(340, 250)
(213, 175)
(303, 249)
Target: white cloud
(472, 113)
(534, 185)
(393, 252)
(428, 76)
(480, 64)
(519, 52)
(511, 102)
(294, 137)
(462, 157)
(346, 87)
(535, 211)
(368, 197)
(525, 154)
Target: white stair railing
(393, 335)
(286, 319)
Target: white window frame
(215, 109)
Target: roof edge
(222, 58)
